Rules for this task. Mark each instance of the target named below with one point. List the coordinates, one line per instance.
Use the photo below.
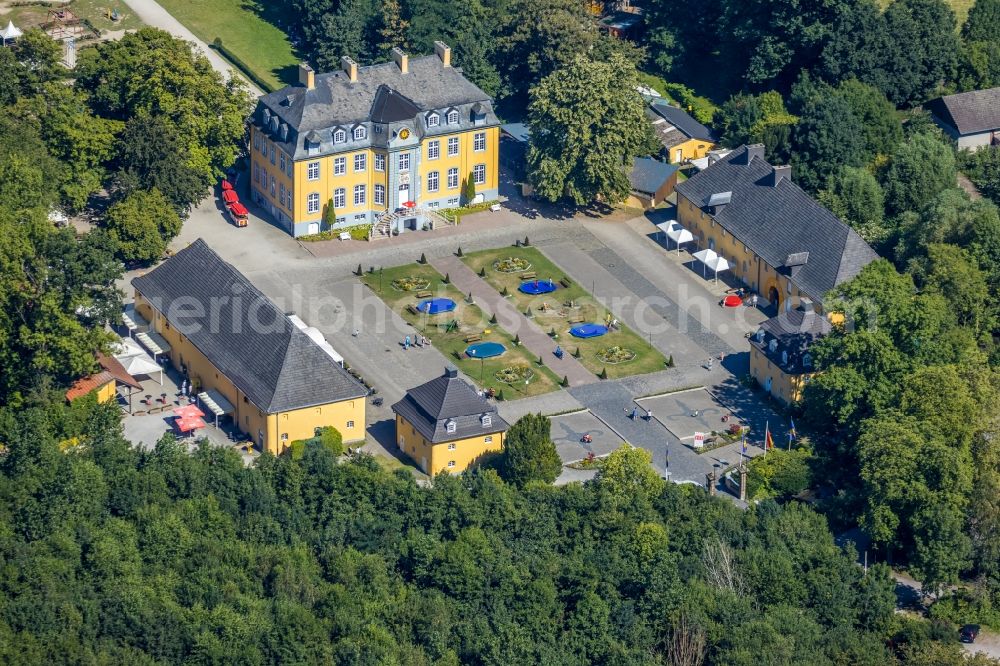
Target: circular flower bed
(410, 283)
(511, 265)
(616, 355)
(514, 373)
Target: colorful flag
(744, 443)
(768, 440)
(791, 433)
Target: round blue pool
(534, 287)
(588, 330)
(485, 350)
(436, 305)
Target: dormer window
(807, 360)
(784, 358)
(433, 120)
(772, 346)
(274, 123)
(284, 131)
(339, 136)
(360, 133)
(267, 116)
(486, 420)
(453, 117)
(450, 426)
(760, 335)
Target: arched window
(379, 195)
(784, 357)
(772, 345)
(433, 120)
(312, 202)
(487, 420)
(807, 360)
(453, 117)
(450, 426)
(339, 136)
(360, 133)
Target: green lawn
(247, 29)
(470, 319)
(95, 11)
(553, 311)
(960, 7)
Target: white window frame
(486, 420)
(350, 424)
(339, 166)
(340, 197)
(339, 136)
(379, 194)
(433, 150)
(312, 202)
(380, 161)
(451, 463)
(360, 195)
(451, 446)
(360, 162)
(450, 426)
(312, 171)
(479, 174)
(488, 439)
(453, 146)
(452, 117)
(281, 161)
(479, 142)
(403, 162)
(360, 133)
(433, 181)
(452, 178)
(433, 120)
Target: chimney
(350, 67)
(779, 172)
(753, 150)
(443, 51)
(307, 77)
(401, 59)
(450, 371)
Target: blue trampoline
(535, 287)
(436, 305)
(588, 330)
(485, 350)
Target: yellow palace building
(231, 341)
(444, 425)
(386, 144)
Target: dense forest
(112, 555)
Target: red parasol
(190, 423)
(238, 209)
(409, 204)
(226, 185)
(230, 196)
(189, 411)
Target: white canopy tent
(216, 403)
(711, 259)
(126, 348)
(10, 33)
(154, 342)
(141, 365)
(675, 232)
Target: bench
(412, 309)
(565, 282)
(529, 276)
(424, 294)
(495, 208)
(575, 320)
(344, 235)
(473, 337)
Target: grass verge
(553, 312)
(468, 320)
(246, 31)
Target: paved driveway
(687, 412)
(567, 430)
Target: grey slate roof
(648, 175)
(777, 221)
(970, 112)
(673, 125)
(382, 94)
(243, 333)
(795, 331)
(430, 406)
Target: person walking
(635, 412)
(753, 300)
(649, 415)
(406, 342)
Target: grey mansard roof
(243, 333)
(382, 94)
(430, 406)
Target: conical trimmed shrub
(604, 373)
(565, 381)
(423, 258)
(459, 252)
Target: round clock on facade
(404, 133)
